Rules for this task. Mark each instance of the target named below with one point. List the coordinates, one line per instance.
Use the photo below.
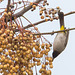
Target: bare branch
(72, 12)
(24, 10)
(31, 25)
(54, 32)
(8, 5)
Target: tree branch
(24, 10)
(72, 12)
(8, 5)
(30, 25)
(54, 32)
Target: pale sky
(64, 64)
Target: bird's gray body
(60, 41)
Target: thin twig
(54, 32)
(30, 25)
(27, 20)
(72, 12)
(21, 21)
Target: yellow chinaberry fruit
(1, 49)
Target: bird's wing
(67, 35)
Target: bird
(61, 38)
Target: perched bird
(61, 38)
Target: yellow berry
(5, 9)
(31, 3)
(13, 68)
(46, 20)
(5, 14)
(1, 66)
(51, 66)
(22, 69)
(58, 7)
(43, 65)
(41, 12)
(16, 59)
(48, 72)
(9, 13)
(17, 67)
(24, 73)
(6, 53)
(34, 6)
(11, 71)
(42, 17)
(1, 49)
(5, 66)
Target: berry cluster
(20, 52)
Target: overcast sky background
(64, 64)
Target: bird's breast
(59, 42)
